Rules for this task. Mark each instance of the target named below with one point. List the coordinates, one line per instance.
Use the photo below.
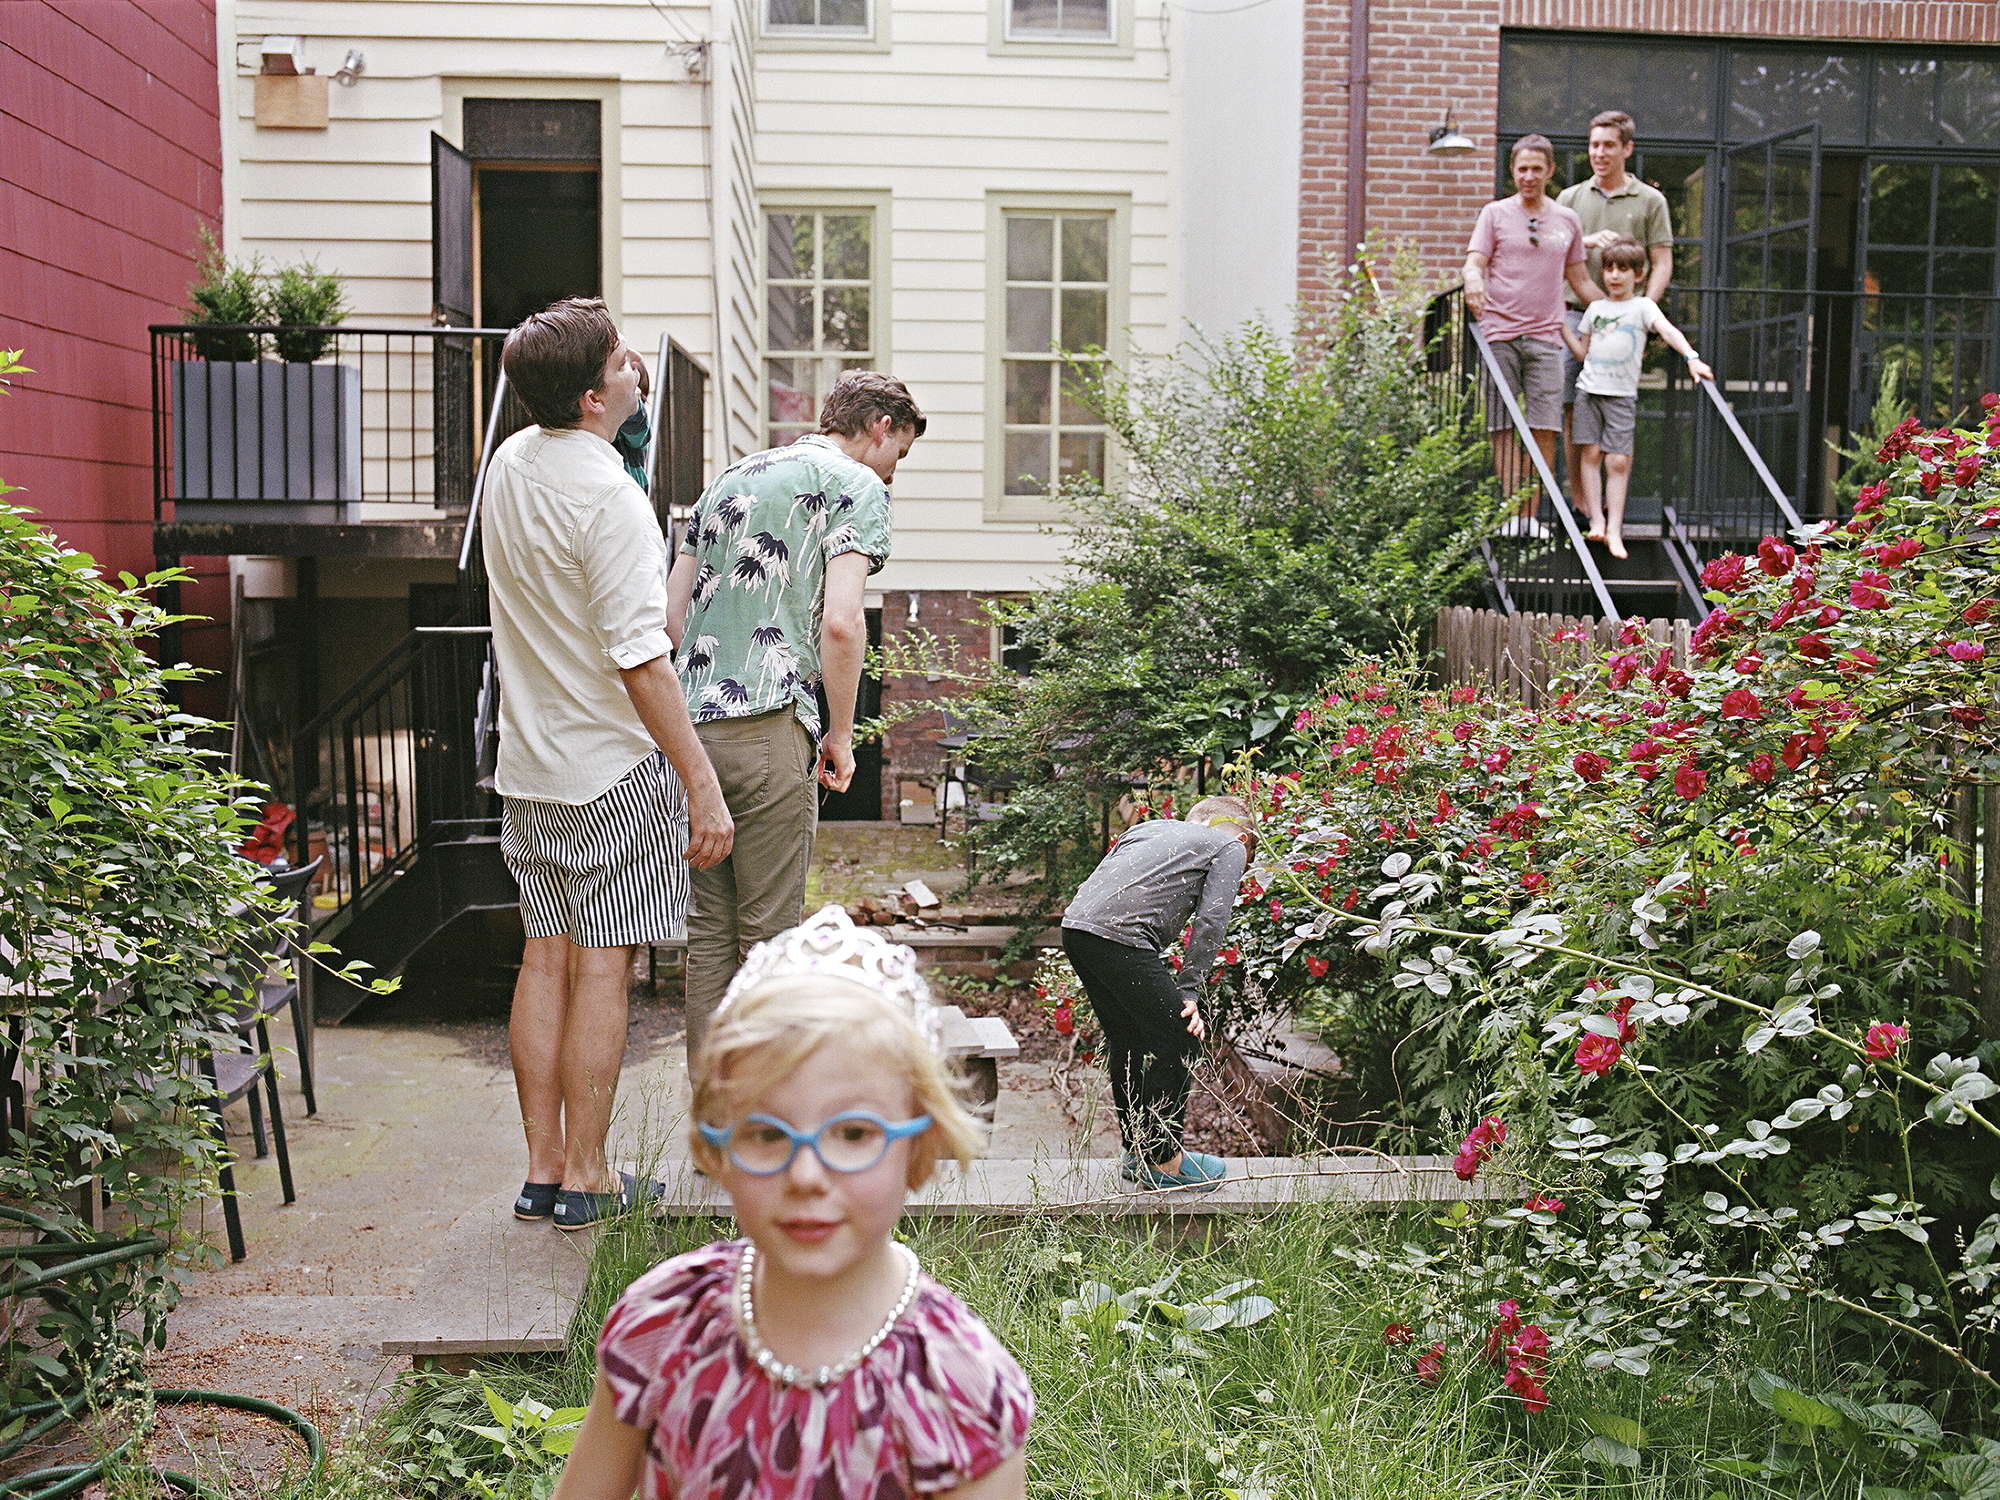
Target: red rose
(1749, 664)
(1522, 1382)
(1228, 955)
(1397, 1333)
(1533, 881)
(1885, 1039)
(1622, 668)
(1774, 557)
(1867, 594)
(1741, 703)
(1761, 767)
(1317, 967)
(1859, 660)
(1065, 1022)
(1495, 761)
(1537, 1203)
(1529, 1347)
(1277, 911)
(1724, 574)
(1430, 1364)
(1589, 765)
(1977, 612)
(1479, 1144)
(1597, 1055)
(1969, 716)
(1690, 781)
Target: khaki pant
(765, 764)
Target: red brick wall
(110, 158)
(1424, 54)
(910, 751)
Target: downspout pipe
(1357, 128)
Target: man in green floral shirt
(766, 597)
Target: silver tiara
(827, 943)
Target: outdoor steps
(497, 1288)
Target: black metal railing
(1538, 562)
(342, 417)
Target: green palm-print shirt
(761, 535)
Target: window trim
(872, 201)
(1001, 41)
(873, 38)
(999, 505)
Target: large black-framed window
(1908, 248)
(1861, 95)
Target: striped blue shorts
(609, 873)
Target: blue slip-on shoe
(576, 1210)
(537, 1200)
(636, 1190)
(1198, 1173)
(1128, 1167)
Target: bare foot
(1616, 545)
(1595, 534)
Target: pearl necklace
(825, 1375)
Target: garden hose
(93, 1263)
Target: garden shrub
(122, 926)
(1688, 931)
(1283, 502)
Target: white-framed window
(1061, 20)
(1060, 269)
(825, 304)
(843, 19)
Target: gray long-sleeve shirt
(1156, 876)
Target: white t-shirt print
(1617, 333)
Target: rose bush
(1697, 930)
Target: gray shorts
(609, 873)
(1533, 369)
(1572, 366)
(1604, 420)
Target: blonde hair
(1212, 810)
(763, 1036)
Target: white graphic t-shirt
(1617, 332)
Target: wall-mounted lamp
(1447, 141)
(284, 56)
(350, 69)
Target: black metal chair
(235, 1075)
(276, 993)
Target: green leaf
(1911, 1423)
(503, 1411)
(1619, 1429)
(1803, 1410)
(1607, 1450)
(1760, 1384)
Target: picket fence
(1515, 654)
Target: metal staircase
(1732, 501)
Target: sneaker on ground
(1197, 1173)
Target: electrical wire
(95, 1263)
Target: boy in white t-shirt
(1610, 342)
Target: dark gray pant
(1146, 1040)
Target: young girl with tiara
(811, 1359)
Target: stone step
(498, 1288)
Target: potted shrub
(250, 429)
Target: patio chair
(276, 994)
(235, 1074)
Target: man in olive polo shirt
(1611, 204)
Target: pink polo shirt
(1524, 281)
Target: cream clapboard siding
(939, 123)
(356, 196)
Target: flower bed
(1700, 936)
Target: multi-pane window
(820, 17)
(1059, 20)
(1058, 302)
(819, 280)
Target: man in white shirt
(595, 830)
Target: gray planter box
(259, 430)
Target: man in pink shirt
(1523, 249)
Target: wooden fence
(1515, 654)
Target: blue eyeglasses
(764, 1146)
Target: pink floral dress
(938, 1404)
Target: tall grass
(1307, 1403)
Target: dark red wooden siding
(110, 160)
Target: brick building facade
(1428, 55)
(110, 162)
